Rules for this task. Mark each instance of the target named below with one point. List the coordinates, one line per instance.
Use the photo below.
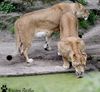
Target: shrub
(82, 2)
(92, 18)
(11, 29)
(7, 7)
(2, 25)
(48, 1)
(83, 24)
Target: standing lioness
(43, 23)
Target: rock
(14, 1)
(38, 4)
(7, 20)
(98, 65)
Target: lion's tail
(19, 43)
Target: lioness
(43, 23)
(71, 47)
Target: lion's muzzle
(80, 74)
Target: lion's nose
(80, 74)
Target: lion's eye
(84, 54)
(74, 63)
(85, 10)
(74, 55)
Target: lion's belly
(40, 34)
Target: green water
(66, 82)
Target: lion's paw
(66, 67)
(59, 54)
(46, 47)
(30, 60)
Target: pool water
(64, 82)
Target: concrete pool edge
(29, 71)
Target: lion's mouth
(79, 74)
(85, 18)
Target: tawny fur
(47, 20)
(70, 46)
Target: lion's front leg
(66, 64)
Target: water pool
(64, 82)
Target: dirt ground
(44, 61)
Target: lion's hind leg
(25, 53)
(48, 41)
(23, 50)
(24, 46)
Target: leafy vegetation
(83, 24)
(92, 18)
(2, 25)
(56, 34)
(10, 7)
(91, 21)
(7, 7)
(11, 29)
(84, 2)
(49, 1)
(44, 1)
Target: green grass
(65, 82)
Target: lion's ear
(75, 12)
(78, 4)
(77, 8)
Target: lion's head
(81, 11)
(78, 56)
(73, 49)
(79, 63)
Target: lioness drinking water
(70, 46)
